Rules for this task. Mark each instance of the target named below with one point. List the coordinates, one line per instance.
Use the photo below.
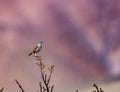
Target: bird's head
(40, 43)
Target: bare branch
(50, 70)
(52, 88)
(45, 77)
(2, 89)
(19, 86)
(97, 88)
(40, 85)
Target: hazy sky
(81, 37)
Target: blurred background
(81, 37)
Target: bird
(37, 49)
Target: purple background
(81, 37)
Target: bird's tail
(30, 54)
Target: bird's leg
(37, 56)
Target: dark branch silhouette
(46, 87)
(2, 89)
(97, 88)
(19, 85)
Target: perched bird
(36, 49)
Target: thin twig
(2, 89)
(94, 85)
(97, 88)
(40, 85)
(19, 86)
(50, 70)
(52, 88)
(49, 78)
(45, 77)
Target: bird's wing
(34, 50)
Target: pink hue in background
(81, 37)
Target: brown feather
(34, 50)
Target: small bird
(36, 49)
